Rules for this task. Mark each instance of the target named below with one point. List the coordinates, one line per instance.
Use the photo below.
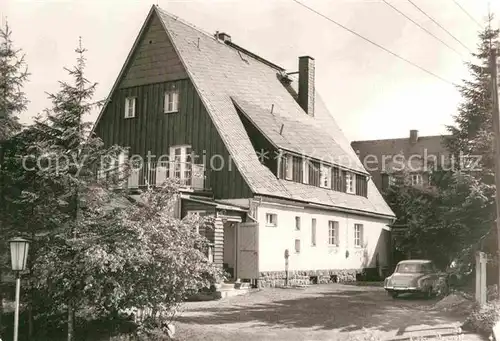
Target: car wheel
(393, 294)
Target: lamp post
(18, 254)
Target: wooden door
(247, 251)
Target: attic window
(130, 107)
(325, 176)
(171, 103)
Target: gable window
(313, 232)
(349, 183)
(271, 220)
(288, 167)
(305, 171)
(130, 107)
(325, 176)
(180, 163)
(333, 233)
(416, 179)
(171, 103)
(297, 223)
(358, 235)
(297, 245)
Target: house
(253, 145)
(416, 155)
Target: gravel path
(320, 312)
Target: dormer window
(350, 185)
(129, 107)
(325, 176)
(289, 167)
(171, 104)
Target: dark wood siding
(336, 179)
(314, 173)
(153, 131)
(361, 185)
(154, 59)
(343, 184)
(297, 169)
(188, 205)
(264, 149)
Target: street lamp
(18, 254)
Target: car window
(415, 268)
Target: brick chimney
(222, 36)
(413, 136)
(306, 84)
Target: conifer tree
(13, 101)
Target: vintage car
(417, 277)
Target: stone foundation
(304, 277)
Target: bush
(482, 319)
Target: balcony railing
(189, 174)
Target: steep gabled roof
(223, 75)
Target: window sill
(333, 246)
(171, 112)
(129, 117)
(313, 245)
(269, 225)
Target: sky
(371, 93)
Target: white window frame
(297, 245)
(328, 171)
(416, 179)
(171, 101)
(333, 233)
(297, 223)
(130, 105)
(358, 235)
(391, 180)
(182, 163)
(269, 220)
(313, 232)
(305, 172)
(350, 183)
(288, 167)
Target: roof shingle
(222, 73)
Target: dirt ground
(320, 312)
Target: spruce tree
(471, 135)
(13, 101)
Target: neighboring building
(415, 155)
(220, 114)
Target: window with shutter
(130, 107)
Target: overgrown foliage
(448, 219)
(97, 251)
